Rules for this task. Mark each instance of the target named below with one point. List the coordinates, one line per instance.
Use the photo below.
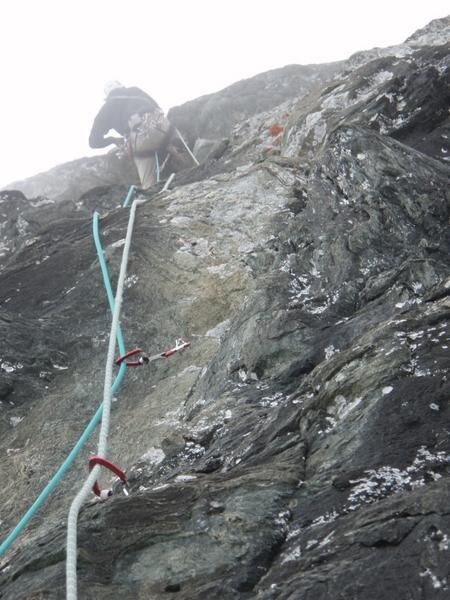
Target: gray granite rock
(299, 448)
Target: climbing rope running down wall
(71, 555)
(54, 481)
(65, 466)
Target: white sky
(56, 56)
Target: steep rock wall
(299, 448)
(217, 114)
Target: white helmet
(112, 85)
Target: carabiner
(98, 460)
(133, 363)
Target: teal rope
(85, 491)
(129, 196)
(95, 419)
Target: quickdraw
(133, 363)
(179, 346)
(145, 359)
(98, 460)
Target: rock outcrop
(67, 182)
(299, 448)
(217, 114)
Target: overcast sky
(57, 55)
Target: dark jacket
(115, 113)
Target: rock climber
(137, 117)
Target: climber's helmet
(111, 86)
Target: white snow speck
(326, 540)
(185, 477)
(444, 542)
(387, 390)
(271, 401)
(435, 581)
(10, 367)
(294, 554)
(329, 351)
(293, 533)
(163, 486)
(400, 304)
(422, 372)
(154, 456)
(388, 480)
(131, 280)
(415, 335)
(242, 374)
(10, 452)
(324, 519)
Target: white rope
(187, 147)
(71, 552)
(168, 182)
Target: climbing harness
(159, 168)
(145, 359)
(104, 494)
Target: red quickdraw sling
(98, 460)
(145, 359)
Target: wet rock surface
(300, 447)
(217, 114)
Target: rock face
(70, 180)
(299, 449)
(217, 114)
